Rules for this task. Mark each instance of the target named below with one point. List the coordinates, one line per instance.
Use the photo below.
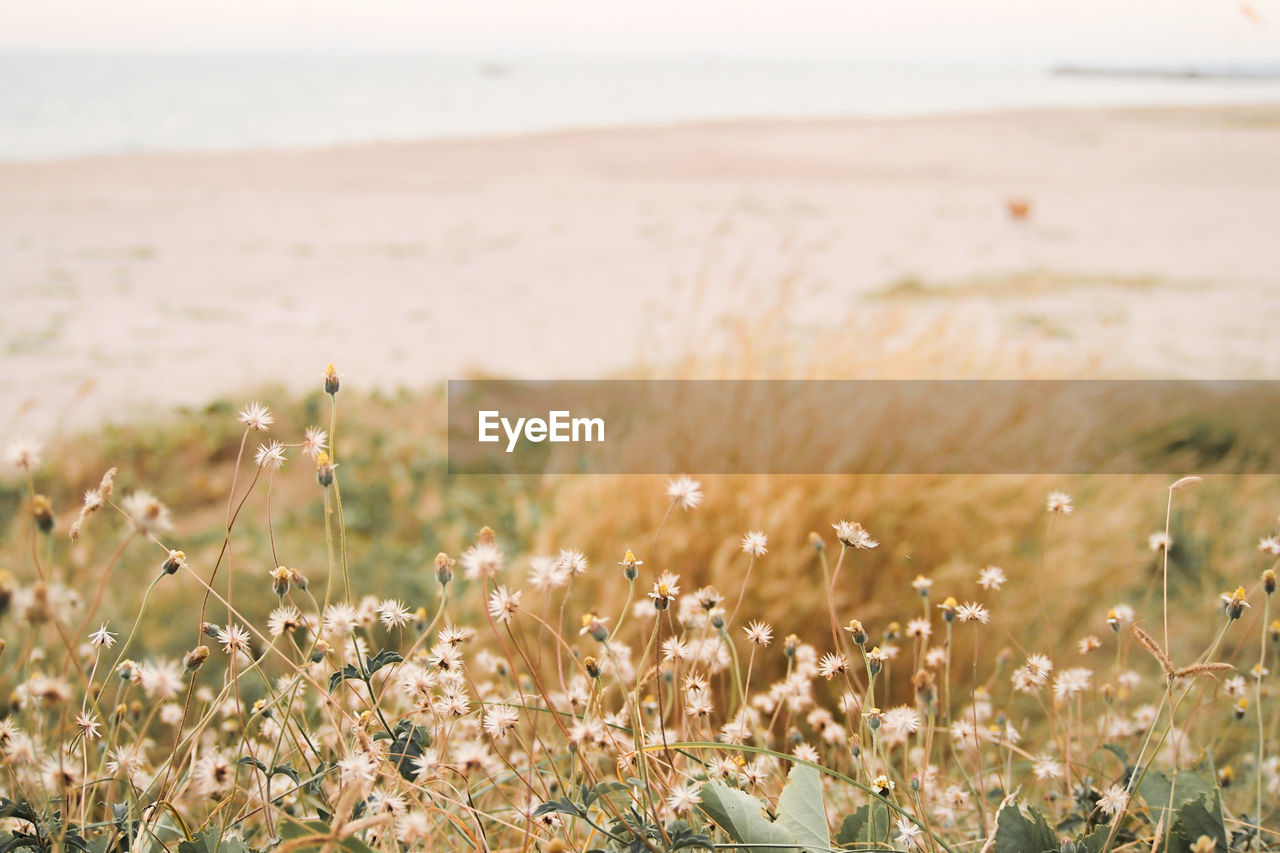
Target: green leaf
(1018, 833)
(348, 671)
(867, 826)
(1094, 841)
(741, 816)
(801, 810)
(1201, 816)
(381, 659)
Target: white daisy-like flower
(23, 454)
(270, 456)
(1269, 545)
(1159, 541)
(393, 614)
(257, 417)
(285, 618)
(992, 577)
(755, 543)
(908, 833)
(572, 562)
(759, 633)
(148, 515)
(102, 638)
(831, 665)
(1114, 799)
(499, 720)
(685, 492)
(1059, 503)
(503, 604)
(972, 611)
(482, 560)
(315, 441)
(683, 798)
(1046, 767)
(852, 535)
(340, 619)
(233, 639)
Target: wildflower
(444, 568)
(257, 417)
(88, 725)
(972, 611)
(1114, 799)
(175, 562)
(572, 562)
(629, 564)
(908, 833)
(102, 638)
(684, 492)
(482, 560)
(1269, 581)
(23, 454)
(875, 660)
(324, 469)
(393, 614)
(340, 619)
(684, 798)
(883, 785)
(1121, 614)
(1270, 545)
(755, 543)
(1047, 767)
(858, 632)
(1088, 644)
(901, 721)
(315, 441)
(949, 607)
(332, 380)
(1159, 541)
(42, 511)
(759, 633)
(832, 664)
(148, 515)
(674, 649)
(852, 535)
(595, 626)
(1234, 603)
(270, 456)
(1059, 503)
(992, 577)
(284, 619)
(1071, 682)
(1259, 672)
(499, 720)
(233, 639)
(805, 752)
(1039, 666)
(503, 604)
(195, 658)
(1241, 707)
(665, 589)
(919, 628)
(921, 585)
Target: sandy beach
(171, 279)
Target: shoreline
(1266, 109)
(172, 279)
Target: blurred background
(207, 202)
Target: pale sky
(1048, 30)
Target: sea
(56, 106)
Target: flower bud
(324, 469)
(195, 658)
(331, 381)
(172, 563)
(444, 568)
(280, 577)
(42, 511)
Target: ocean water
(59, 106)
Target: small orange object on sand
(1019, 209)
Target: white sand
(172, 279)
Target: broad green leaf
(1018, 833)
(801, 810)
(868, 826)
(1201, 816)
(742, 817)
